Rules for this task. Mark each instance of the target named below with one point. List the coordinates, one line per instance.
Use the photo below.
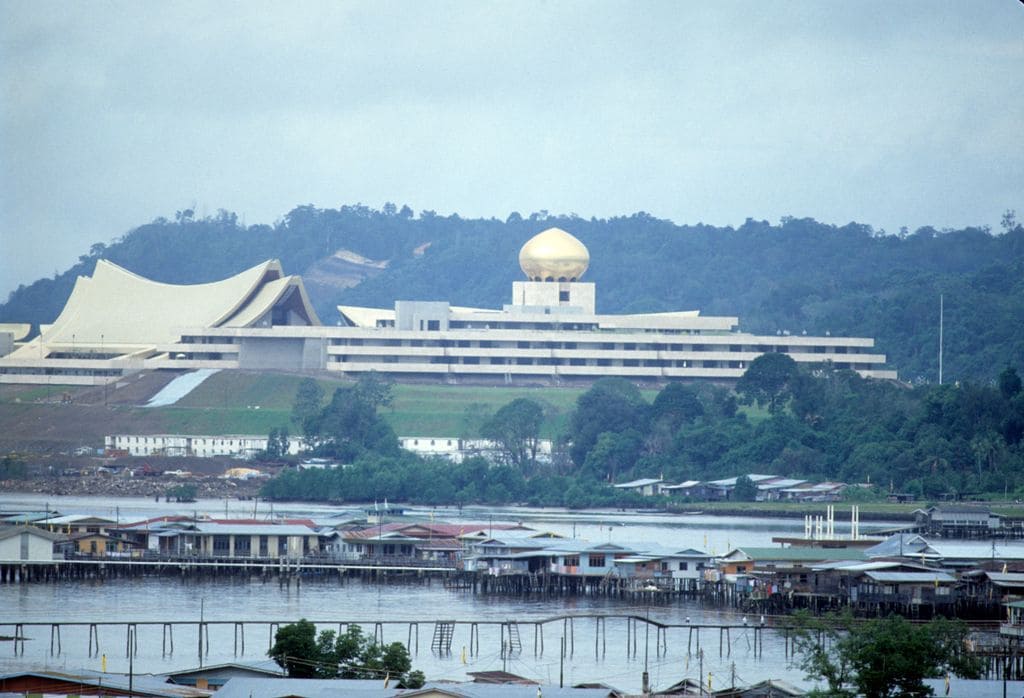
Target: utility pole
(941, 320)
(131, 662)
(700, 671)
(561, 666)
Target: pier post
(239, 634)
(168, 634)
(272, 628)
(409, 644)
(131, 640)
(94, 634)
(55, 634)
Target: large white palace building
(116, 323)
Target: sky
(889, 114)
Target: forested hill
(799, 275)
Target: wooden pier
(511, 632)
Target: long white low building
(116, 323)
(170, 445)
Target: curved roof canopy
(116, 308)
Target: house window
(595, 561)
(572, 560)
(563, 296)
(683, 566)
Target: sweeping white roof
(118, 310)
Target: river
(165, 599)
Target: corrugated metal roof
(911, 577)
(639, 483)
(794, 554)
(254, 529)
(682, 485)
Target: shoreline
(219, 489)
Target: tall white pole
(941, 321)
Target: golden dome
(554, 255)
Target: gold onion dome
(554, 255)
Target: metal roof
(253, 529)
(800, 554)
(639, 483)
(374, 688)
(912, 577)
(682, 485)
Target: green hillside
(798, 275)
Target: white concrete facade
(550, 332)
(231, 445)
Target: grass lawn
(240, 402)
(225, 402)
(33, 393)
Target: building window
(595, 561)
(563, 296)
(683, 566)
(572, 560)
(433, 325)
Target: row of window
(589, 346)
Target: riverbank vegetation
(959, 441)
(880, 657)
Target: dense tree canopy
(767, 381)
(516, 429)
(959, 440)
(881, 657)
(303, 654)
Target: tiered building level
(116, 322)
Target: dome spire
(554, 255)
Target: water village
(916, 574)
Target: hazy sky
(887, 113)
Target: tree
(675, 405)
(309, 401)
(296, 650)
(181, 493)
(278, 443)
(767, 381)
(1009, 383)
(515, 427)
(303, 654)
(614, 453)
(611, 405)
(881, 657)
(746, 490)
(375, 389)
(350, 426)
(13, 467)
